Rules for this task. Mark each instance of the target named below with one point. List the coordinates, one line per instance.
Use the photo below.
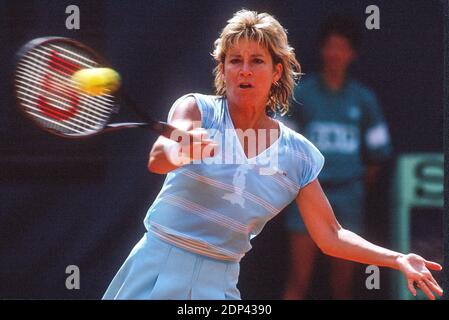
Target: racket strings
(32, 84)
(48, 94)
(37, 69)
(66, 93)
(55, 108)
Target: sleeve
(204, 105)
(376, 138)
(312, 163)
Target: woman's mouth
(245, 86)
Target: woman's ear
(278, 70)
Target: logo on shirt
(239, 182)
(334, 137)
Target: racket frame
(159, 127)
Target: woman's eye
(234, 61)
(258, 61)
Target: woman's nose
(246, 70)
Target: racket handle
(163, 128)
(167, 130)
(160, 127)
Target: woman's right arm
(167, 155)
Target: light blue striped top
(215, 208)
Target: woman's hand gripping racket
(67, 89)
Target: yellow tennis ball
(97, 81)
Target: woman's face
(249, 73)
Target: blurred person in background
(342, 118)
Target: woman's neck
(251, 117)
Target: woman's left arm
(336, 241)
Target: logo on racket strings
(56, 109)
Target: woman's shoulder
(294, 136)
(207, 101)
(290, 133)
(306, 161)
(208, 98)
(298, 144)
(208, 105)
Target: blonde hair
(268, 32)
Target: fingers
(207, 147)
(197, 135)
(423, 286)
(411, 287)
(432, 279)
(434, 287)
(202, 144)
(199, 150)
(188, 137)
(433, 265)
(417, 270)
(210, 149)
(427, 286)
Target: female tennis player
(243, 169)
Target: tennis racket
(47, 94)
